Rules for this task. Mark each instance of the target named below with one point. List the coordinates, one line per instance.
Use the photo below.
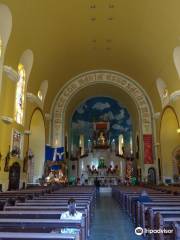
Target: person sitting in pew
(144, 197)
(71, 214)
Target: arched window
(81, 144)
(131, 145)
(40, 96)
(20, 95)
(121, 144)
(1, 47)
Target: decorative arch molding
(113, 78)
(5, 32)
(36, 146)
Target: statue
(101, 139)
(25, 162)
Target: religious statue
(101, 139)
(25, 163)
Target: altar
(102, 160)
(105, 189)
(104, 181)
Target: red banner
(148, 156)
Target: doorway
(14, 176)
(152, 176)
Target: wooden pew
(165, 222)
(35, 236)
(142, 208)
(151, 222)
(150, 213)
(42, 215)
(47, 200)
(41, 225)
(176, 228)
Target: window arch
(121, 144)
(81, 144)
(20, 95)
(40, 95)
(131, 145)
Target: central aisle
(110, 221)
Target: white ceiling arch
(73, 86)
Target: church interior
(90, 118)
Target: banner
(54, 154)
(148, 155)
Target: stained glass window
(20, 95)
(1, 47)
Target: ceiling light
(92, 6)
(111, 5)
(109, 40)
(93, 19)
(110, 18)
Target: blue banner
(54, 154)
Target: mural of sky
(100, 109)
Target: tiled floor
(110, 221)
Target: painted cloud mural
(100, 109)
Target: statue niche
(101, 130)
(101, 139)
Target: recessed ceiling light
(93, 19)
(108, 40)
(92, 6)
(111, 5)
(110, 18)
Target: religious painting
(16, 144)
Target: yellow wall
(169, 140)
(37, 142)
(7, 101)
